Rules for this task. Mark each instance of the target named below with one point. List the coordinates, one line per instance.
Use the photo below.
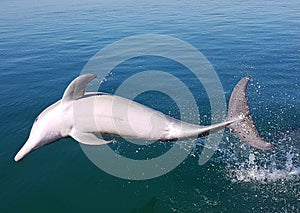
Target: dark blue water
(45, 44)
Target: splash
(251, 171)
(282, 164)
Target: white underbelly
(106, 114)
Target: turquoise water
(44, 45)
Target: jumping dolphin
(81, 115)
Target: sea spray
(282, 164)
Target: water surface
(45, 44)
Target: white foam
(251, 171)
(263, 175)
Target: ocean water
(45, 44)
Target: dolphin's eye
(36, 119)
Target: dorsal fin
(76, 88)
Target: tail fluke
(244, 128)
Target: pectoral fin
(89, 139)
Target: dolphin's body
(81, 115)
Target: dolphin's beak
(18, 157)
(25, 150)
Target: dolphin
(84, 115)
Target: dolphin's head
(55, 121)
(45, 129)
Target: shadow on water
(149, 207)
